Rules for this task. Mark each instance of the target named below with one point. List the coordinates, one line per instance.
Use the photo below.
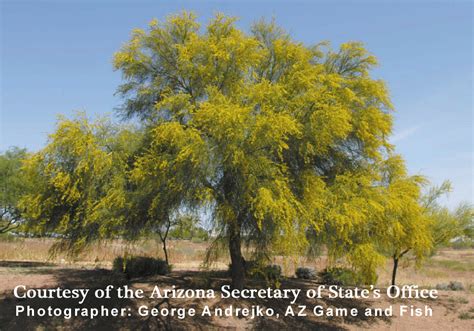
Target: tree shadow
(100, 278)
(24, 264)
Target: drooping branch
(11, 224)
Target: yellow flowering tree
(273, 136)
(77, 183)
(405, 226)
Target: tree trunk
(163, 237)
(165, 250)
(394, 272)
(237, 268)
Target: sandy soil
(446, 310)
(453, 310)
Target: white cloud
(402, 135)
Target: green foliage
(258, 269)
(466, 315)
(140, 266)
(270, 273)
(449, 227)
(453, 265)
(8, 237)
(340, 276)
(187, 228)
(461, 243)
(13, 185)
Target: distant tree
(447, 225)
(12, 187)
(163, 232)
(187, 227)
(465, 216)
(262, 130)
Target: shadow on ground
(24, 264)
(100, 278)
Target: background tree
(78, 183)
(464, 213)
(414, 222)
(405, 227)
(260, 129)
(187, 227)
(447, 225)
(155, 201)
(12, 186)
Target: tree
(406, 227)
(447, 224)
(414, 222)
(78, 181)
(260, 129)
(154, 201)
(85, 188)
(464, 214)
(187, 228)
(12, 186)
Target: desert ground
(27, 261)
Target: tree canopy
(78, 182)
(13, 185)
(279, 141)
(272, 135)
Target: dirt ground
(453, 310)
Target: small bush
(452, 286)
(462, 243)
(339, 276)
(140, 266)
(466, 316)
(456, 286)
(442, 287)
(255, 270)
(305, 273)
(463, 301)
(271, 272)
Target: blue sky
(56, 57)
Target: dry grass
(447, 265)
(183, 253)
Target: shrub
(305, 273)
(140, 266)
(452, 286)
(339, 276)
(270, 272)
(442, 286)
(256, 270)
(466, 316)
(456, 286)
